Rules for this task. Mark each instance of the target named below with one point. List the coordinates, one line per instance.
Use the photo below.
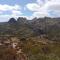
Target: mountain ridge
(30, 28)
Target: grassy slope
(37, 50)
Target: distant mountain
(29, 28)
(12, 21)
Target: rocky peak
(21, 20)
(12, 20)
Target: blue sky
(13, 2)
(28, 9)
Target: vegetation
(37, 39)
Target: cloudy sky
(28, 9)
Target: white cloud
(6, 7)
(45, 8)
(39, 14)
(33, 6)
(14, 10)
(16, 13)
(42, 8)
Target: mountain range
(46, 27)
